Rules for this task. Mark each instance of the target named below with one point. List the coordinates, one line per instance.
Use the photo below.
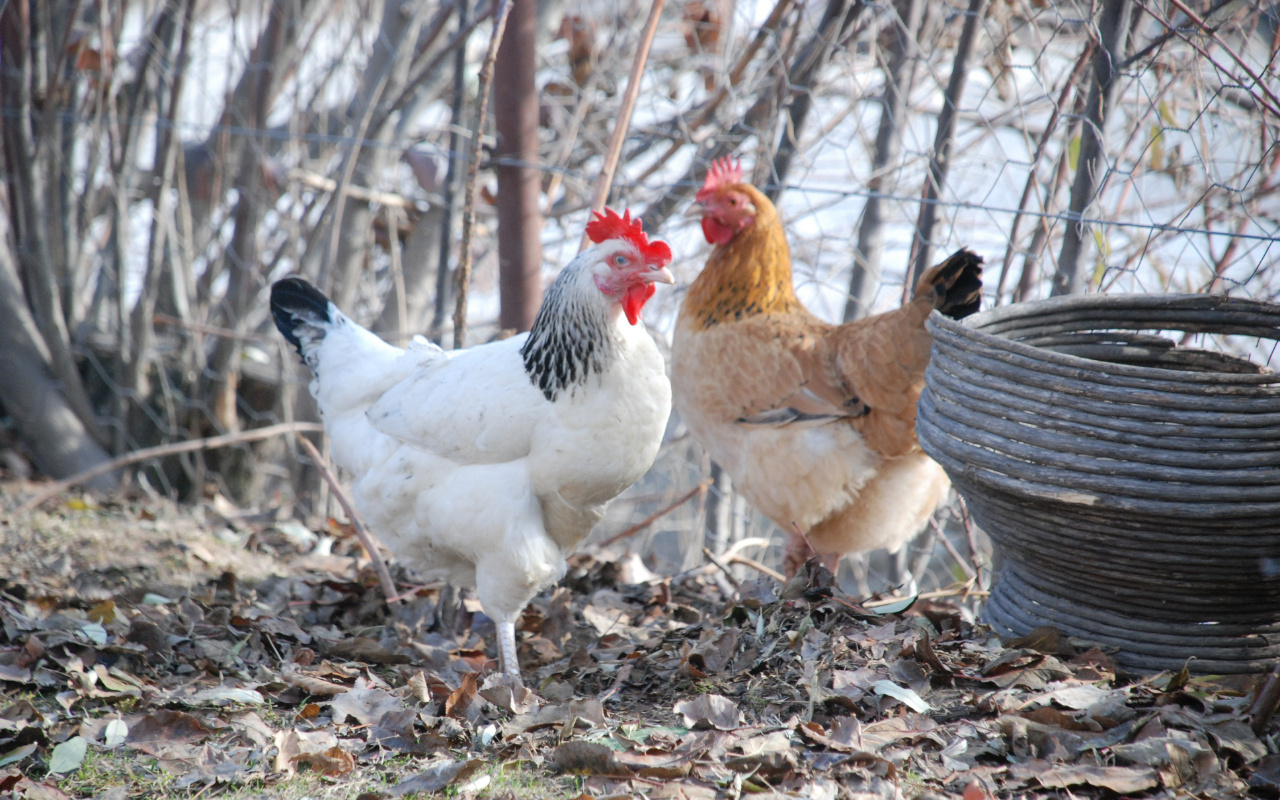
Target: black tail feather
(295, 303)
(957, 284)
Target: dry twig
(173, 448)
(735, 76)
(462, 276)
(737, 587)
(624, 114)
(701, 488)
(357, 523)
(757, 566)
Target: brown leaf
(309, 711)
(30, 790)
(1048, 715)
(709, 711)
(717, 649)
(1046, 639)
(418, 686)
(878, 735)
(103, 613)
(334, 762)
(662, 766)
(317, 750)
(462, 703)
(926, 653)
(252, 727)
(163, 729)
(364, 703)
(362, 648)
(1266, 775)
(588, 712)
(1121, 780)
(588, 758)
(437, 777)
(814, 733)
(520, 700)
(311, 684)
(1237, 737)
(771, 754)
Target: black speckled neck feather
(569, 341)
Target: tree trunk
(899, 79)
(27, 202)
(58, 442)
(515, 115)
(1114, 29)
(940, 163)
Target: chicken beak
(659, 275)
(695, 210)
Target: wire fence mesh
(194, 153)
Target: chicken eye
(733, 201)
(619, 261)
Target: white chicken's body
(512, 482)
(465, 468)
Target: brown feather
(754, 372)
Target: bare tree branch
(1114, 31)
(163, 451)
(619, 134)
(1068, 86)
(462, 278)
(838, 16)
(940, 161)
(899, 80)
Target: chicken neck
(749, 275)
(570, 340)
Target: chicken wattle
(487, 466)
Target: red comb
(722, 173)
(609, 225)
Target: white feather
(463, 467)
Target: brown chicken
(814, 422)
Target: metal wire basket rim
(972, 329)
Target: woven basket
(1132, 486)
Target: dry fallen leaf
(588, 758)
(463, 702)
(436, 777)
(311, 684)
(164, 729)
(709, 711)
(1121, 780)
(364, 703)
(318, 750)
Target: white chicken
(487, 466)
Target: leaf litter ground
(154, 650)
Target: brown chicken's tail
(955, 285)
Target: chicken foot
(799, 550)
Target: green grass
(107, 769)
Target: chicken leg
(508, 666)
